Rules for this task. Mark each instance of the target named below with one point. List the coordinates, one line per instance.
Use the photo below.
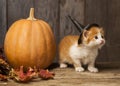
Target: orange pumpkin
(30, 42)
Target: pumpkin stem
(31, 15)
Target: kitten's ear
(85, 33)
(101, 30)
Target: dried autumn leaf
(3, 78)
(4, 67)
(45, 74)
(21, 76)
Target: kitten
(73, 52)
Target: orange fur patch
(70, 40)
(93, 32)
(64, 46)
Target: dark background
(104, 12)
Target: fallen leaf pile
(4, 67)
(3, 77)
(45, 74)
(21, 74)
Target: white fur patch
(93, 69)
(82, 53)
(79, 69)
(63, 65)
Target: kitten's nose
(102, 42)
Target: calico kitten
(84, 52)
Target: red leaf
(24, 77)
(3, 78)
(45, 74)
(21, 76)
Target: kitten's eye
(96, 37)
(102, 36)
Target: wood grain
(96, 12)
(113, 35)
(3, 22)
(75, 8)
(48, 10)
(18, 9)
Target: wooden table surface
(108, 76)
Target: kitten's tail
(79, 26)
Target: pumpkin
(30, 42)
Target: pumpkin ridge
(50, 31)
(32, 46)
(46, 25)
(18, 32)
(26, 26)
(20, 42)
(8, 37)
(31, 42)
(46, 41)
(51, 40)
(42, 29)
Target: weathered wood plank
(75, 8)
(68, 77)
(3, 22)
(96, 12)
(18, 9)
(104, 12)
(113, 41)
(48, 10)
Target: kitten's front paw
(79, 69)
(93, 69)
(63, 65)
